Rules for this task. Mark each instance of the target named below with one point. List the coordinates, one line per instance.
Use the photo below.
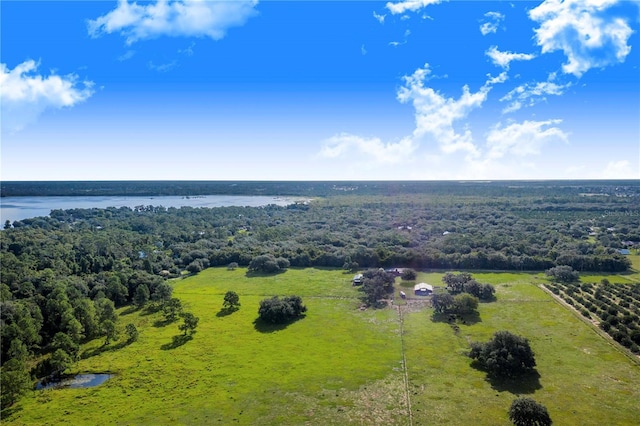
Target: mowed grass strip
(583, 379)
(337, 365)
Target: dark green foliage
(563, 274)
(60, 361)
(172, 309)
(110, 331)
(67, 344)
(377, 285)
(162, 292)
(281, 311)
(190, 323)
(464, 303)
(15, 381)
(233, 266)
(525, 411)
(231, 300)
(142, 296)
(268, 264)
(132, 333)
(442, 302)
(408, 274)
(505, 355)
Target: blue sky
(325, 90)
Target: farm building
(357, 280)
(423, 289)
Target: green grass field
(339, 364)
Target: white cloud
(492, 22)
(180, 18)
(380, 18)
(503, 59)
(522, 139)
(26, 95)
(436, 118)
(588, 36)
(435, 114)
(531, 94)
(385, 153)
(619, 170)
(409, 5)
(126, 55)
(162, 67)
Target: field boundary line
(405, 372)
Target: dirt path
(404, 365)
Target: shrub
(408, 274)
(525, 411)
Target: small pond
(77, 381)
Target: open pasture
(340, 364)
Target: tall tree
(231, 300)
(505, 355)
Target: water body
(19, 208)
(77, 381)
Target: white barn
(422, 289)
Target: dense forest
(64, 275)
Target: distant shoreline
(310, 188)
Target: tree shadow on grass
(9, 411)
(257, 274)
(129, 310)
(177, 341)
(163, 322)
(226, 311)
(457, 319)
(528, 383)
(267, 327)
(104, 348)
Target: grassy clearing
(576, 366)
(328, 364)
(340, 365)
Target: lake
(19, 208)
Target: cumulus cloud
(436, 119)
(436, 114)
(491, 22)
(180, 18)
(386, 153)
(409, 6)
(584, 31)
(26, 94)
(379, 18)
(530, 94)
(503, 59)
(522, 139)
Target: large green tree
(190, 323)
(280, 311)
(505, 355)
